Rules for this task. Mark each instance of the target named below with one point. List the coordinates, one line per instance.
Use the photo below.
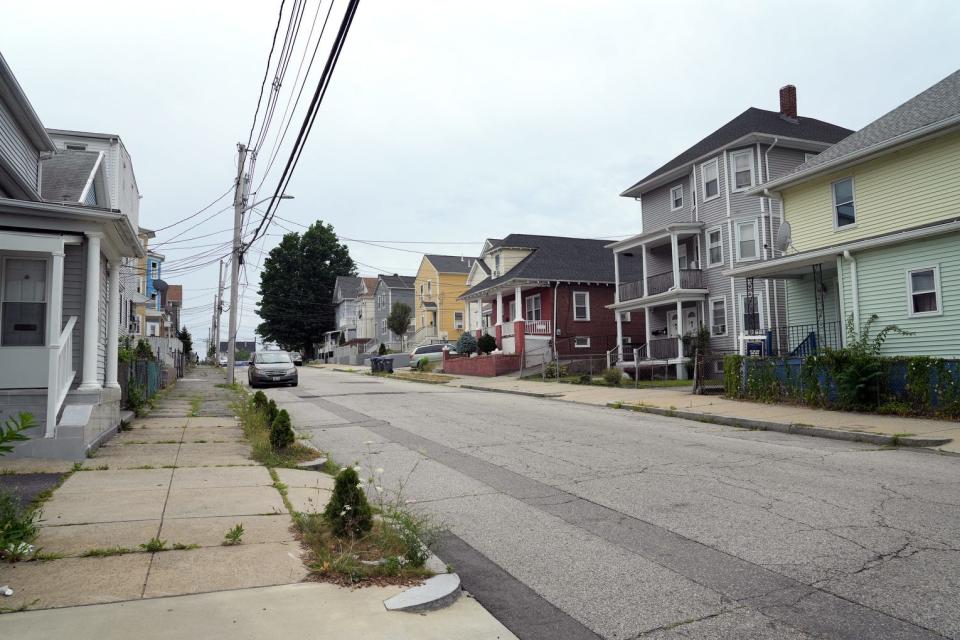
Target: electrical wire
(266, 73)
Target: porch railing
(60, 375)
(506, 329)
(663, 349)
(661, 282)
(423, 334)
(802, 340)
(537, 327)
(631, 290)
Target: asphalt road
(570, 521)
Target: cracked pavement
(637, 525)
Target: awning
(430, 306)
(137, 298)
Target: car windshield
(272, 358)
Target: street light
(256, 204)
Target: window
(747, 240)
(429, 287)
(76, 147)
(682, 255)
(676, 197)
(710, 179)
(533, 311)
(458, 319)
(24, 297)
(718, 316)
(383, 326)
(625, 316)
(714, 247)
(496, 265)
(581, 305)
(741, 169)
(581, 342)
(845, 213)
(751, 313)
(923, 287)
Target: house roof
(930, 110)
(397, 282)
(349, 286)
(66, 174)
(560, 258)
(751, 121)
(450, 264)
(371, 284)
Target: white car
(223, 361)
(432, 352)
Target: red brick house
(565, 286)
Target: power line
(266, 72)
(194, 215)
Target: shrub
(136, 398)
(272, 412)
(466, 344)
(18, 526)
(733, 375)
(382, 350)
(423, 364)
(552, 370)
(260, 400)
(281, 433)
(348, 511)
(585, 378)
(486, 343)
(12, 430)
(144, 351)
(613, 376)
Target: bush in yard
(466, 344)
(18, 527)
(423, 364)
(613, 376)
(382, 350)
(281, 433)
(486, 343)
(348, 511)
(259, 401)
(272, 411)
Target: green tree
(296, 287)
(184, 336)
(399, 320)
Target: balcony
(662, 282)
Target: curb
(531, 394)
(797, 429)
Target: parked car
(272, 367)
(297, 358)
(433, 352)
(223, 361)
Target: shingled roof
(349, 286)
(398, 282)
(940, 104)
(450, 264)
(557, 258)
(751, 121)
(66, 174)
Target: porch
(670, 262)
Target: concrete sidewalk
(687, 405)
(183, 476)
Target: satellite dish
(784, 239)
(160, 285)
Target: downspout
(764, 224)
(766, 173)
(854, 288)
(556, 326)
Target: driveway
(570, 521)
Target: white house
(62, 242)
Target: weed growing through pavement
(106, 552)
(233, 536)
(195, 404)
(154, 544)
(180, 546)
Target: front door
(691, 322)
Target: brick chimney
(788, 102)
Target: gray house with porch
(390, 290)
(697, 221)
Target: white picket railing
(506, 329)
(537, 327)
(60, 375)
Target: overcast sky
(450, 122)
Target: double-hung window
(23, 292)
(581, 342)
(496, 265)
(714, 247)
(710, 179)
(741, 169)
(923, 289)
(844, 211)
(718, 316)
(581, 305)
(682, 255)
(747, 240)
(676, 197)
(458, 319)
(751, 313)
(533, 310)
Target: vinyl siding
(907, 188)
(102, 310)
(73, 300)
(656, 211)
(16, 148)
(802, 309)
(882, 278)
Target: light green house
(873, 227)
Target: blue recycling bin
(386, 364)
(376, 364)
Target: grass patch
(44, 556)
(423, 376)
(179, 546)
(236, 386)
(195, 404)
(106, 552)
(154, 545)
(257, 431)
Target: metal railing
(802, 340)
(423, 334)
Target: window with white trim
(741, 170)
(844, 211)
(383, 326)
(581, 342)
(581, 305)
(625, 316)
(496, 265)
(923, 291)
(751, 313)
(714, 247)
(710, 179)
(458, 319)
(676, 197)
(747, 240)
(718, 316)
(512, 310)
(23, 302)
(533, 309)
(682, 255)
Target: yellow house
(439, 315)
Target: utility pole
(239, 201)
(217, 312)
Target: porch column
(499, 308)
(619, 335)
(91, 314)
(519, 305)
(676, 262)
(616, 277)
(646, 329)
(113, 329)
(466, 316)
(681, 368)
(643, 274)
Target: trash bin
(376, 364)
(386, 365)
